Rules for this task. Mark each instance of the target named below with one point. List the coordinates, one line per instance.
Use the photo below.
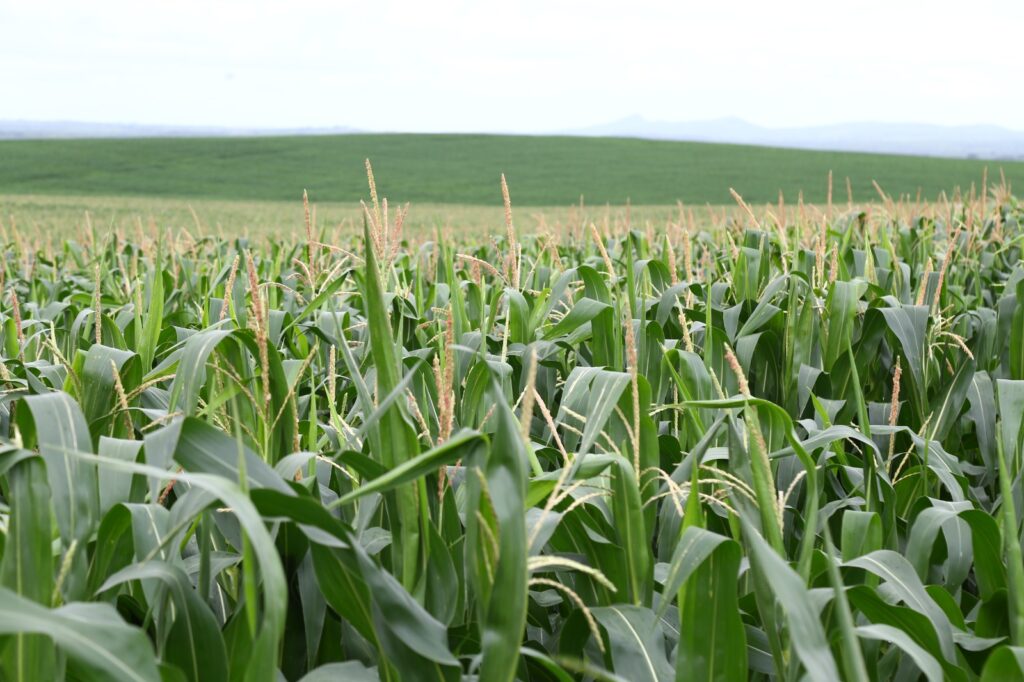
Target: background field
(464, 169)
(66, 216)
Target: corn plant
(784, 447)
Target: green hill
(464, 169)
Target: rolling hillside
(464, 169)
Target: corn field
(787, 446)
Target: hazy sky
(447, 65)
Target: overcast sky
(448, 65)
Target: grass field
(464, 169)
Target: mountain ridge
(21, 129)
(983, 141)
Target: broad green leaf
(636, 643)
(903, 581)
(924, 661)
(805, 630)
(632, 533)
(712, 641)
(97, 642)
(55, 424)
(1004, 664)
(354, 671)
(841, 309)
(195, 644)
(459, 446)
(496, 529)
(27, 565)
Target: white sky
(450, 65)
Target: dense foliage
(786, 448)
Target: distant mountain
(920, 139)
(38, 130)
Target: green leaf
(852, 654)
(947, 411)
(862, 533)
(56, 425)
(261, 665)
(909, 325)
(805, 630)
(1017, 336)
(99, 645)
(903, 581)
(396, 439)
(627, 511)
(27, 565)
(353, 671)
(99, 396)
(496, 528)
(195, 644)
(1005, 664)
(585, 310)
(637, 645)
(154, 320)
(461, 445)
(925, 662)
(712, 640)
(115, 487)
(841, 309)
(203, 448)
